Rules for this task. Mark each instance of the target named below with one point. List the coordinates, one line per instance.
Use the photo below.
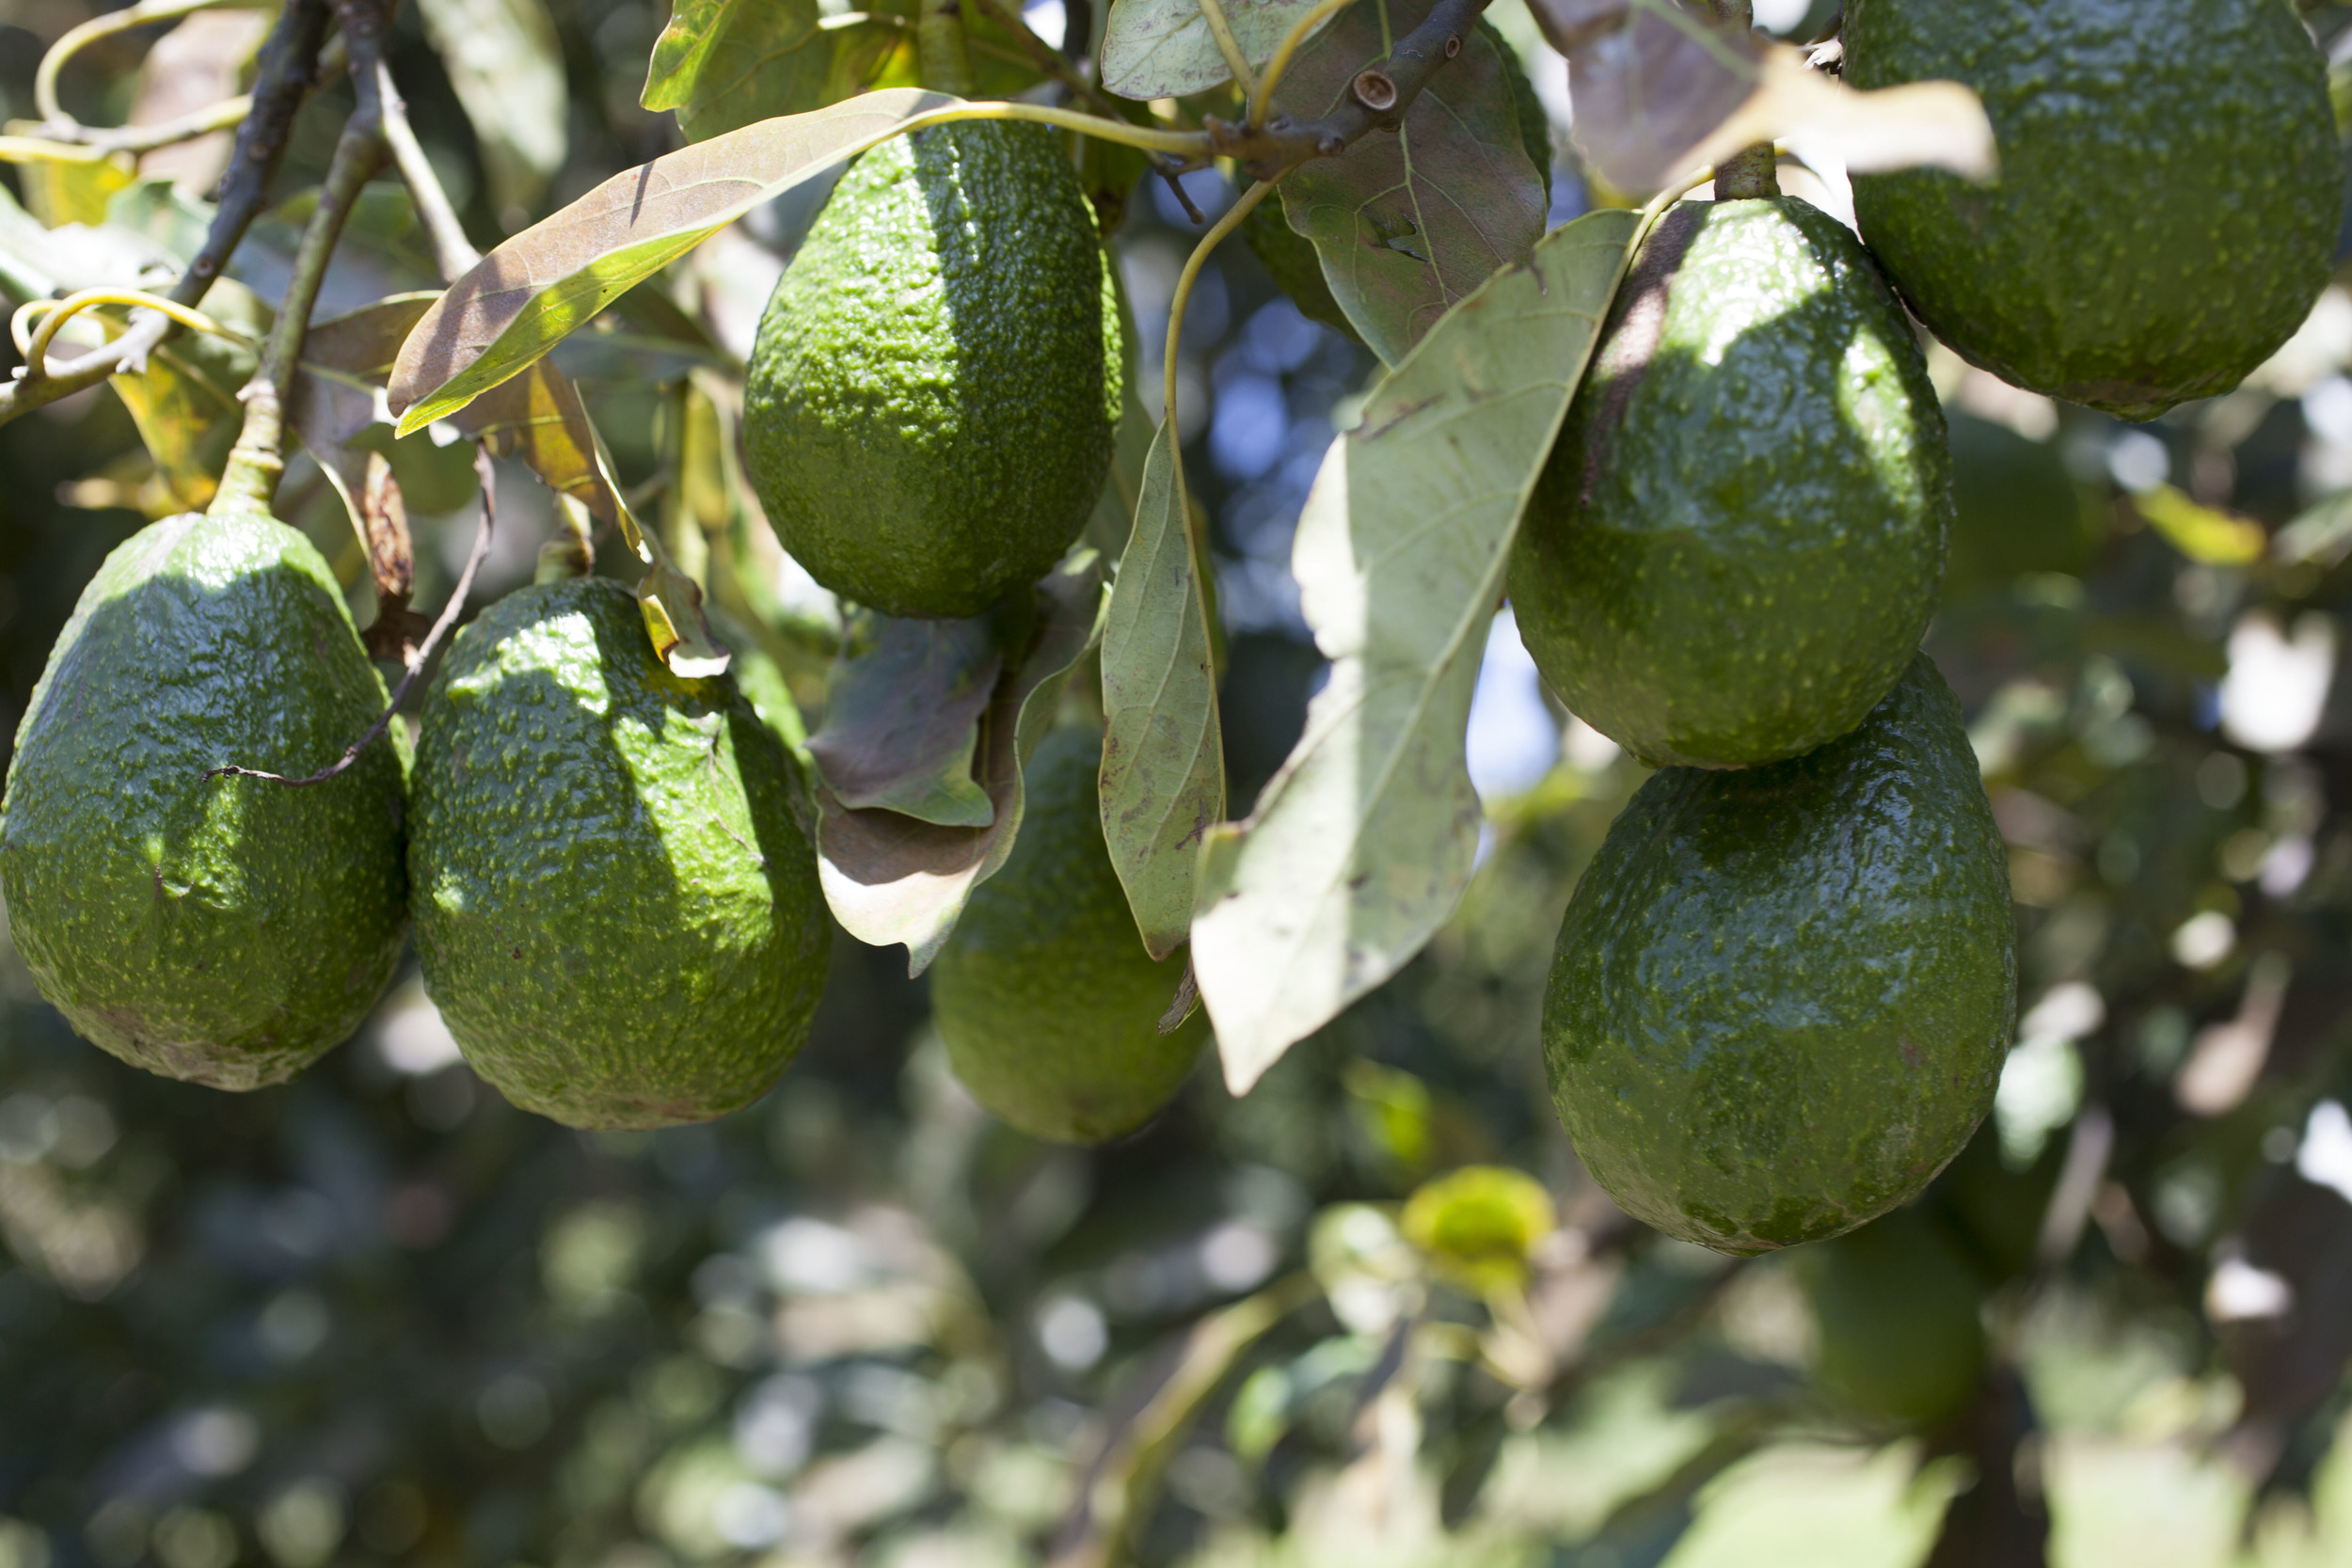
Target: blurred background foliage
(1373, 1313)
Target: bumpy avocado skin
(2168, 197)
(1782, 996)
(1048, 1003)
(222, 930)
(1736, 544)
(933, 394)
(615, 912)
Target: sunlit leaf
(1408, 224)
(721, 64)
(506, 66)
(891, 878)
(1164, 48)
(551, 278)
(66, 186)
(1480, 1224)
(1361, 845)
(902, 718)
(2201, 532)
(1163, 757)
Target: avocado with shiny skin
(1782, 995)
(931, 397)
(2169, 190)
(1736, 544)
(1047, 1002)
(616, 912)
(220, 929)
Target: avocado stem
(941, 58)
(257, 461)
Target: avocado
(2015, 509)
(1899, 1318)
(931, 397)
(617, 913)
(2169, 196)
(223, 930)
(1782, 995)
(1736, 544)
(1048, 1003)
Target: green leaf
(902, 716)
(548, 281)
(892, 878)
(1407, 225)
(1361, 845)
(1164, 48)
(1163, 756)
(184, 402)
(506, 65)
(339, 390)
(720, 64)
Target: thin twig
(452, 248)
(75, 39)
(100, 141)
(417, 661)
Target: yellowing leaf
(1361, 845)
(2201, 532)
(1163, 758)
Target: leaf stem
(1213, 13)
(34, 346)
(257, 461)
(415, 663)
(1193, 147)
(1241, 209)
(1278, 64)
(452, 250)
(75, 39)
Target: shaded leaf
(339, 392)
(1361, 845)
(902, 718)
(891, 878)
(1660, 91)
(382, 251)
(548, 280)
(1163, 754)
(1164, 48)
(1407, 225)
(506, 66)
(720, 64)
(194, 66)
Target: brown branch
(1379, 100)
(418, 660)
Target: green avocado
(2169, 196)
(2016, 509)
(617, 913)
(1782, 996)
(1899, 1318)
(1048, 1003)
(223, 930)
(1736, 545)
(929, 413)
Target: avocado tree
(913, 607)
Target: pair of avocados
(928, 423)
(1781, 993)
(615, 909)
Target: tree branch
(452, 250)
(1379, 100)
